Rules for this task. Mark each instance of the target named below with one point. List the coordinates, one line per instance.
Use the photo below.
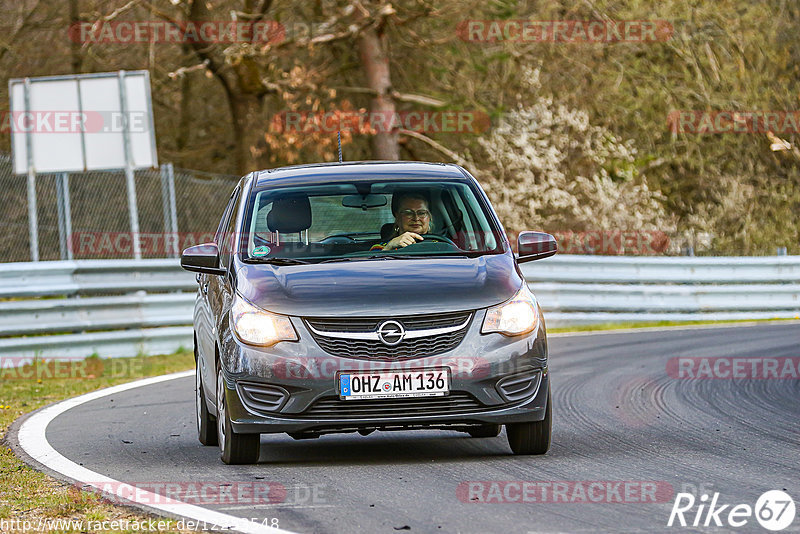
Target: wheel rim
(221, 411)
(198, 397)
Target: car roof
(358, 171)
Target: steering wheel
(434, 238)
(337, 239)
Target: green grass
(27, 494)
(652, 324)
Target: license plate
(392, 385)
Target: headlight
(514, 317)
(258, 327)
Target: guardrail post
(64, 216)
(170, 210)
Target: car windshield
(367, 220)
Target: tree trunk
(248, 130)
(375, 61)
(75, 45)
(183, 136)
(244, 91)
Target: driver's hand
(403, 240)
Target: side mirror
(202, 259)
(535, 246)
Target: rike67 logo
(774, 510)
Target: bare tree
(372, 47)
(75, 45)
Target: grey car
(310, 319)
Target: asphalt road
(619, 416)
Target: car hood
(380, 287)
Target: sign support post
(130, 179)
(33, 222)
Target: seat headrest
(290, 215)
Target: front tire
(206, 423)
(532, 438)
(234, 448)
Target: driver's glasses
(418, 214)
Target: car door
(205, 309)
(219, 286)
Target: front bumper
(300, 379)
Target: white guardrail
(71, 309)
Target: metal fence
(72, 309)
(577, 290)
(112, 308)
(85, 215)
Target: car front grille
(426, 335)
(334, 408)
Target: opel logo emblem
(391, 333)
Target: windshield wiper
(278, 261)
(373, 257)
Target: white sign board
(82, 122)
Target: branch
(433, 144)
(6, 47)
(356, 11)
(119, 11)
(210, 63)
(781, 145)
(153, 9)
(418, 99)
(351, 31)
(654, 164)
(401, 97)
(259, 14)
(182, 71)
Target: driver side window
(223, 222)
(225, 233)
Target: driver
(411, 219)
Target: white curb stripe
(33, 441)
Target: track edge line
(26, 437)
